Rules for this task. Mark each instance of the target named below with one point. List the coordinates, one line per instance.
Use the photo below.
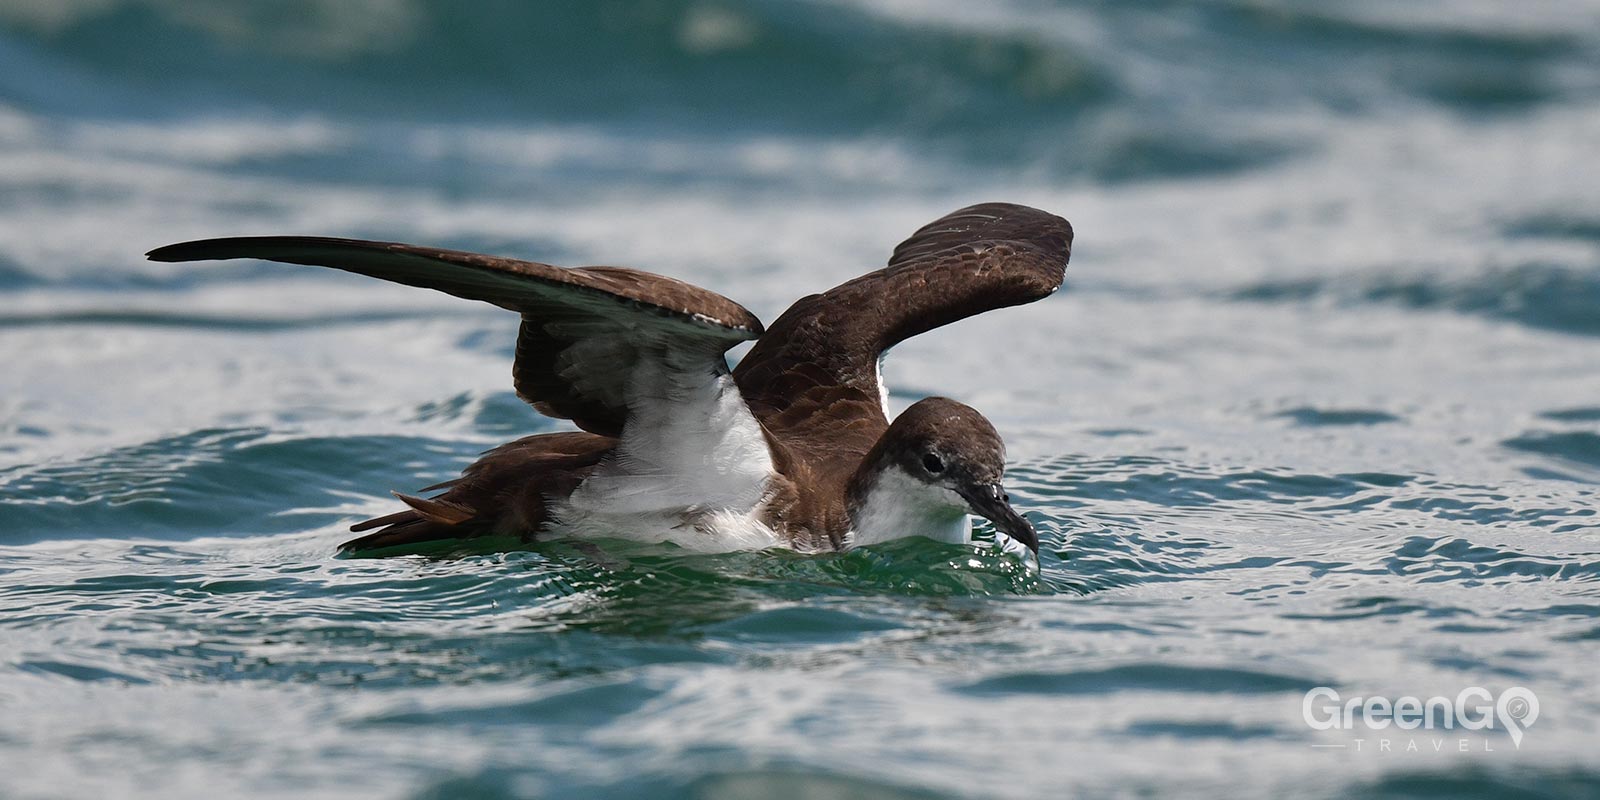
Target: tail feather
(387, 519)
(416, 530)
(443, 512)
(502, 495)
(426, 521)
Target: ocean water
(1319, 405)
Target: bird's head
(950, 456)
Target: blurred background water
(1320, 404)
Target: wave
(1539, 295)
(688, 60)
(225, 481)
(1578, 448)
(1116, 92)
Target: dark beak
(990, 501)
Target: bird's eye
(932, 463)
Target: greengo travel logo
(1468, 722)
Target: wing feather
(817, 366)
(583, 329)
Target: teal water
(1319, 405)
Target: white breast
(692, 468)
(898, 506)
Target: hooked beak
(990, 501)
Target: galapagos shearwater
(793, 447)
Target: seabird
(792, 448)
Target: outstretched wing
(585, 330)
(818, 363)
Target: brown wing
(584, 330)
(819, 361)
(507, 493)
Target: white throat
(898, 505)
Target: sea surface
(1319, 405)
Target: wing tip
(169, 253)
(201, 250)
(267, 248)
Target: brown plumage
(504, 493)
(811, 381)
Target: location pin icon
(1517, 708)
